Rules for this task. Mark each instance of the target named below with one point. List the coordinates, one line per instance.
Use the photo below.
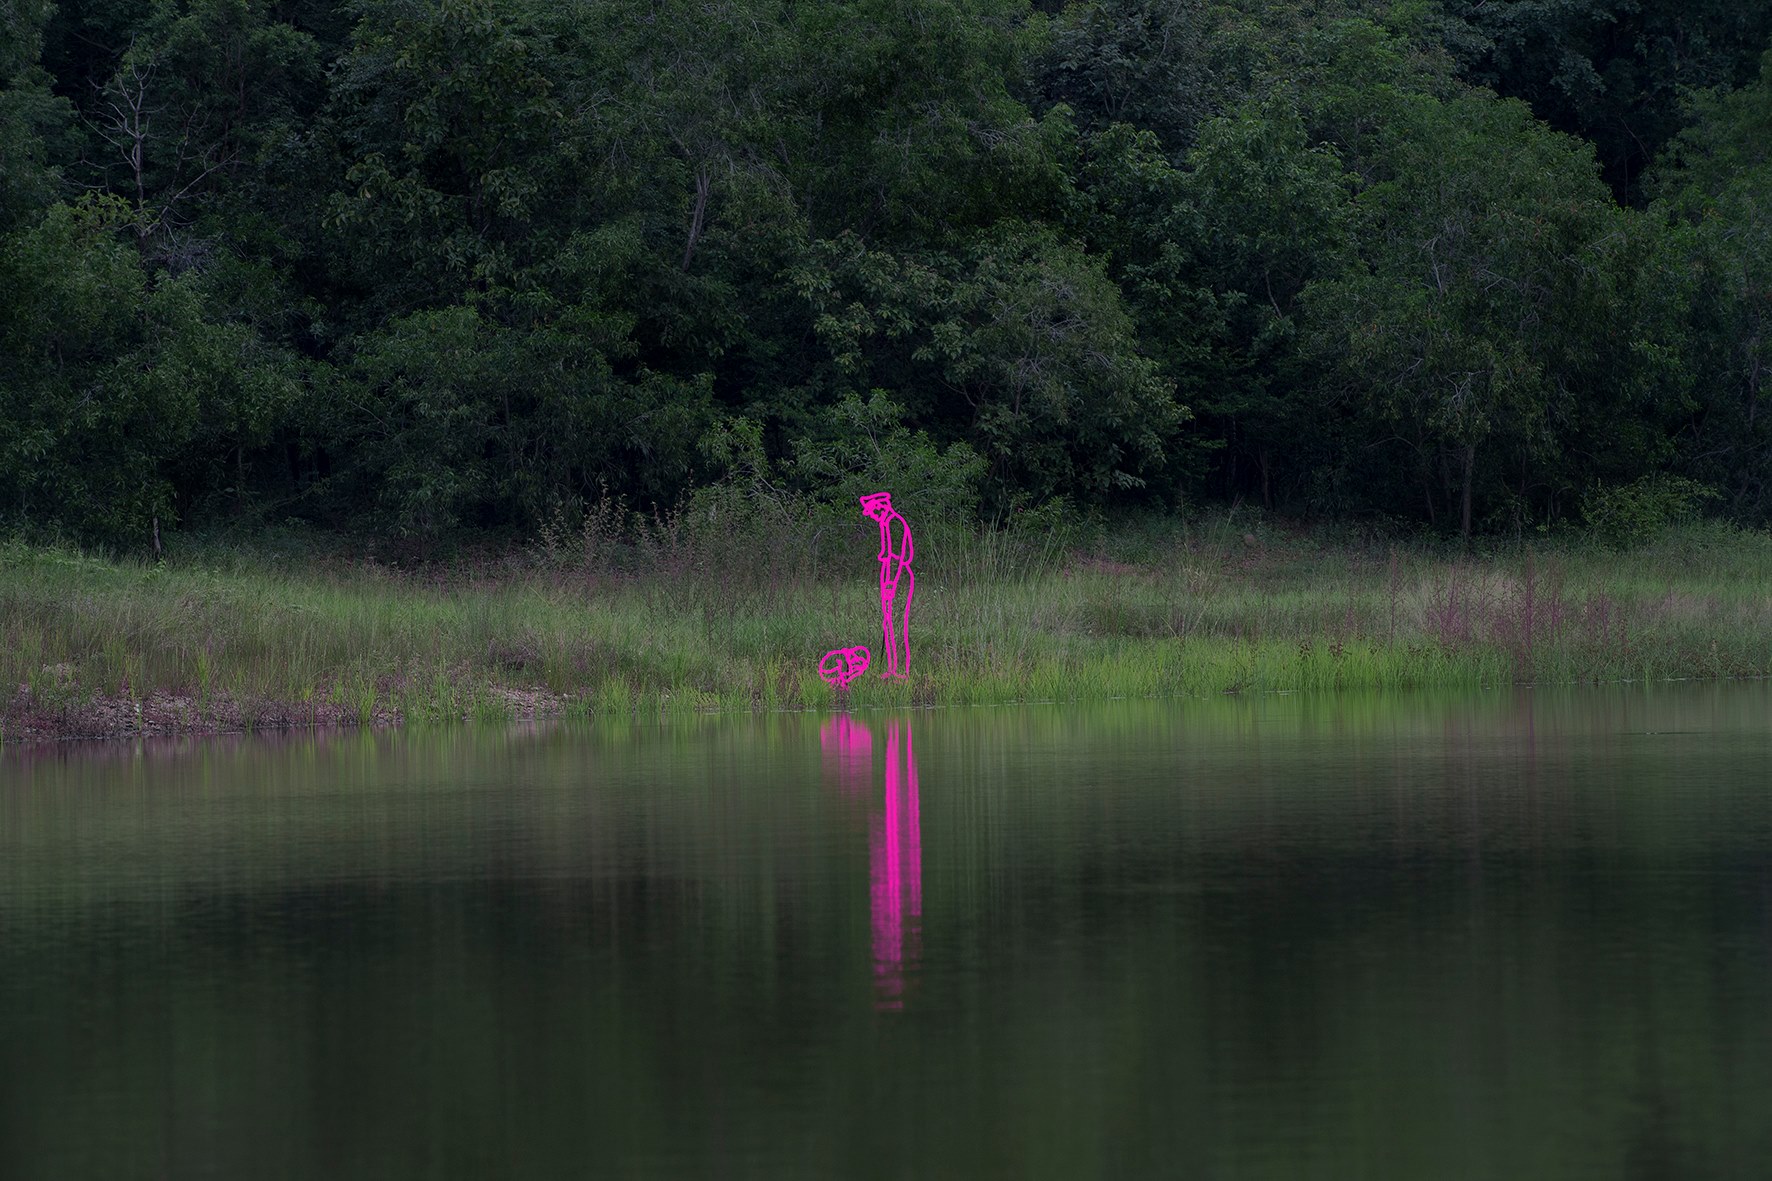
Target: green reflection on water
(1521, 934)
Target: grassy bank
(232, 640)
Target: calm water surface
(1515, 935)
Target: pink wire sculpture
(897, 582)
(842, 665)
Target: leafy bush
(867, 448)
(795, 516)
(1633, 514)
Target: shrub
(1633, 514)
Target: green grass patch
(1199, 610)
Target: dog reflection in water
(848, 754)
(895, 849)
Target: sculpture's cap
(875, 500)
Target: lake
(1519, 934)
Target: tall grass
(1187, 609)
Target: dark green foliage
(112, 381)
(1273, 216)
(1024, 347)
(1613, 71)
(1477, 325)
(456, 419)
(1632, 515)
(1715, 186)
(435, 267)
(30, 114)
(1140, 63)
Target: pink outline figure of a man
(897, 582)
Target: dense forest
(439, 268)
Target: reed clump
(654, 620)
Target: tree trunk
(1470, 466)
(698, 215)
(1427, 485)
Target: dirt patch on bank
(28, 720)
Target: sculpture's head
(876, 505)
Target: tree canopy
(434, 267)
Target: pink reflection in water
(848, 753)
(895, 870)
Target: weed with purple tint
(1532, 614)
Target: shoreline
(95, 648)
(161, 715)
(105, 717)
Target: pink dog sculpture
(842, 665)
